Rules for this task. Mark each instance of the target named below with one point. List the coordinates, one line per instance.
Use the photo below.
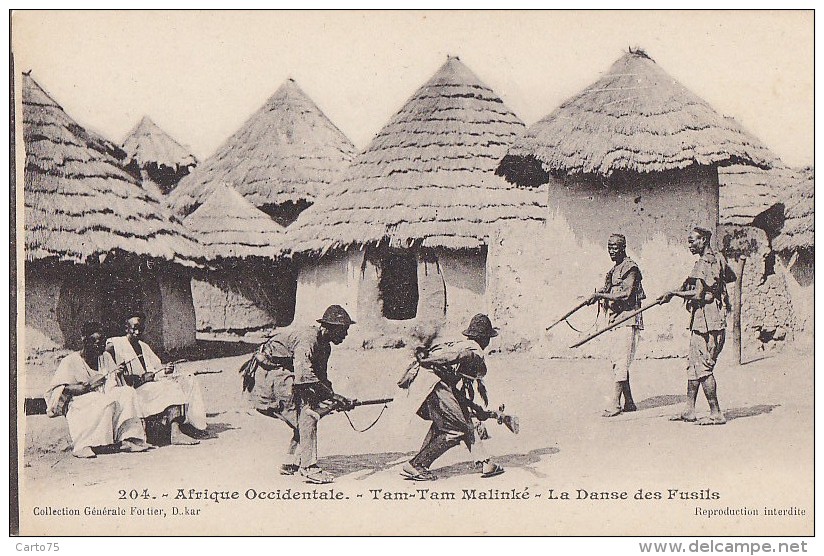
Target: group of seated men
(110, 387)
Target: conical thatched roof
(148, 144)
(747, 191)
(288, 151)
(635, 118)
(79, 202)
(427, 177)
(227, 226)
(799, 216)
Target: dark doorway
(399, 285)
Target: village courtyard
(637, 473)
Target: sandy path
(762, 457)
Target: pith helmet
(336, 315)
(480, 327)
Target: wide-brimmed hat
(336, 315)
(480, 327)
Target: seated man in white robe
(99, 412)
(159, 388)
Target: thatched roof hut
(635, 118)
(635, 153)
(405, 236)
(798, 231)
(427, 178)
(747, 191)
(244, 290)
(97, 245)
(153, 152)
(80, 203)
(287, 152)
(228, 226)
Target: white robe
(155, 397)
(101, 417)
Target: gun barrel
(617, 323)
(373, 402)
(568, 314)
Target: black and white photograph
(412, 273)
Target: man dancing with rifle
(621, 294)
(445, 385)
(287, 378)
(706, 295)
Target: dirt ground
(673, 474)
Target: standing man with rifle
(443, 391)
(706, 295)
(621, 294)
(287, 378)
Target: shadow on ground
(345, 464)
(752, 411)
(213, 349)
(215, 429)
(521, 461)
(661, 401)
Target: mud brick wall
(767, 320)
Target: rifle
(620, 321)
(584, 303)
(330, 406)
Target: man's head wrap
(620, 239)
(703, 232)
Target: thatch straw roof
(148, 144)
(288, 151)
(427, 177)
(227, 226)
(799, 216)
(747, 191)
(79, 202)
(635, 118)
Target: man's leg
(629, 403)
(437, 446)
(711, 392)
(175, 416)
(290, 462)
(307, 437)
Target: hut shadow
(752, 411)
(520, 461)
(661, 401)
(213, 349)
(339, 465)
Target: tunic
(291, 358)
(166, 391)
(98, 418)
(618, 277)
(709, 313)
(708, 320)
(442, 394)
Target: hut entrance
(120, 293)
(398, 285)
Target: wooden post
(738, 267)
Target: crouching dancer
(450, 372)
(288, 380)
(99, 413)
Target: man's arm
(696, 292)
(622, 291)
